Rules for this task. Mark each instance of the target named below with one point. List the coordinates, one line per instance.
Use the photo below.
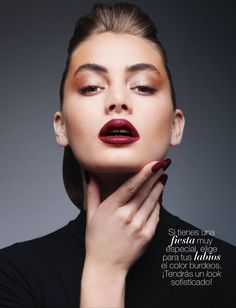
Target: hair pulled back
(116, 17)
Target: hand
(119, 228)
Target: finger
(123, 194)
(152, 222)
(92, 198)
(143, 192)
(145, 210)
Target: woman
(117, 120)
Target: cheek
(158, 129)
(157, 134)
(81, 120)
(157, 120)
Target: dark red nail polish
(163, 178)
(166, 163)
(157, 166)
(87, 176)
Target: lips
(118, 131)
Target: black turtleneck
(46, 271)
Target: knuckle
(137, 225)
(132, 188)
(125, 216)
(128, 218)
(147, 235)
(120, 203)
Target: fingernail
(157, 166)
(163, 178)
(160, 198)
(166, 163)
(87, 176)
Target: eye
(145, 89)
(89, 89)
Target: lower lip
(118, 139)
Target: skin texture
(117, 96)
(121, 198)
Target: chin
(111, 161)
(130, 165)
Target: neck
(109, 183)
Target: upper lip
(119, 124)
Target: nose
(118, 102)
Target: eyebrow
(138, 67)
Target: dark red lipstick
(118, 131)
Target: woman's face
(117, 94)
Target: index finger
(123, 194)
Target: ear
(60, 129)
(177, 127)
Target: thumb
(91, 194)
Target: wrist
(98, 281)
(104, 269)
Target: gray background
(200, 39)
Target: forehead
(115, 51)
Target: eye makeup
(87, 83)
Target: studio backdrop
(199, 37)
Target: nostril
(112, 107)
(123, 106)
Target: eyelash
(85, 89)
(149, 89)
